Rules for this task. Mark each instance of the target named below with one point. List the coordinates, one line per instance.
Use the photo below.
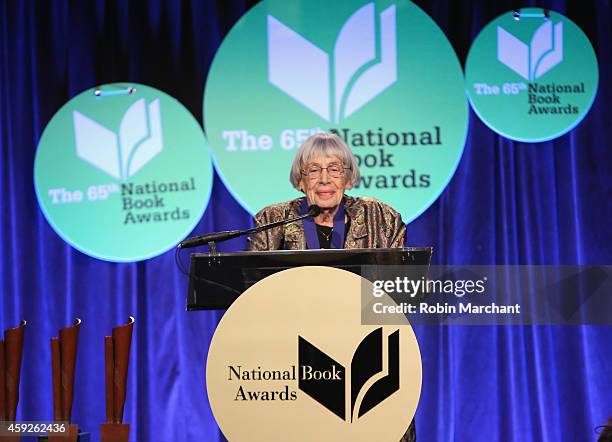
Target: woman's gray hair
(325, 145)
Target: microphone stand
(212, 238)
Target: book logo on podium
(120, 155)
(361, 69)
(288, 355)
(543, 53)
(373, 377)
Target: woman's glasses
(333, 170)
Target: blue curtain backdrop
(508, 203)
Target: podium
(299, 336)
(217, 279)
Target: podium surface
(216, 280)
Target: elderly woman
(323, 168)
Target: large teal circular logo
(380, 73)
(123, 172)
(531, 75)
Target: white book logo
(531, 62)
(361, 71)
(139, 140)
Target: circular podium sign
(290, 360)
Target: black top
(324, 234)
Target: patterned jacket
(373, 224)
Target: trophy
(11, 350)
(63, 363)
(117, 356)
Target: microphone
(314, 211)
(196, 241)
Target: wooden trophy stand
(117, 357)
(63, 363)
(11, 351)
(70, 436)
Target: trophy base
(8, 436)
(81, 437)
(115, 432)
(70, 436)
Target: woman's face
(321, 188)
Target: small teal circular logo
(122, 172)
(379, 73)
(531, 76)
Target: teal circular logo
(531, 75)
(379, 73)
(122, 172)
